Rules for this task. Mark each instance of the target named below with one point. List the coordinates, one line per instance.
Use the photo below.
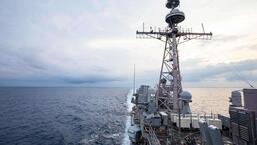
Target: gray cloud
(33, 66)
(90, 80)
(61, 80)
(46, 42)
(228, 71)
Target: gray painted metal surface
(215, 135)
(250, 100)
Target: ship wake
(126, 140)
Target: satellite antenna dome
(175, 16)
(172, 4)
(185, 99)
(185, 96)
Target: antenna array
(170, 87)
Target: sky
(92, 43)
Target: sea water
(81, 116)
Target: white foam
(126, 140)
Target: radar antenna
(170, 85)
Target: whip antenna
(134, 80)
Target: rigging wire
(239, 74)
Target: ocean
(81, 116)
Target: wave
(126, 140)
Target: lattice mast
(170, 85)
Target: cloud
(253, 47)
(228, 71)
(58, 42)
(90, 80)
(33, 64)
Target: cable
(238, 73)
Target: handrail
(152, 138)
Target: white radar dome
(185, 95)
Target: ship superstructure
(170, 85)
(162, 116)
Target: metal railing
(152, 138)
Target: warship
(162, 115)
